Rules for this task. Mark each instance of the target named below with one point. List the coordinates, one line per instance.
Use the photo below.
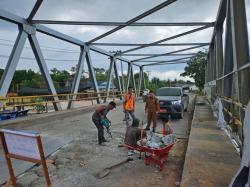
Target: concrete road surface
(77, 162)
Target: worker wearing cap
(99, 115)
(129, 104)
(152, 107)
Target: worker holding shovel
(100, 120)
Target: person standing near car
(129, 105)
(151, 109)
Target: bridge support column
(110, 77)
(219, 57)
(77, 77)
(240, 47)
(12, 62)
(143, 79)
(128, 75)
(228, 62)
(140, 80)
(133, 78)
(92, 75)
(123, 83)
(118, 79)
(44, 69)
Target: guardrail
(234, 109)
(24, 101)
(19, 102)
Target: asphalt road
(78, 161)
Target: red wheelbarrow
(152, 155)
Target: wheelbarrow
(153, 155)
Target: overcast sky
(108, 10)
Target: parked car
(172, 101)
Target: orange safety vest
(129, 102)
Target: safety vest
(129, 102)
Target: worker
(100, 118)
(129, 105)
(166, 128)
(151, 109)
(133, 135)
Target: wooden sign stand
(39, 158)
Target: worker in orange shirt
(129, 105)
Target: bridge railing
(233, 106)
(228, 66)
(45, 102)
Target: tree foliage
(196, 69)
(101, 74)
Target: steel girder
(14, 57)
(12, 62)
(77, 77)
(143, 78)
(128, 76)
(240, 47)
(44, 69)
(133, 78)
(118, 79)
(121, 23)
(172, 54)
(152, 10)
(219, 50)
(92, 74)
(221, 15)
(228, 62)
(140, 80)
(166, 39)
(123, 83)
(157, 64)
(219, 57)
(34, 10)
(110, 77)
(177, 51)
(5, 15)
(163, 62)
(139, 44)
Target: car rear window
(169, 92)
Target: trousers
(152, 116)
(100, 130)
(127, 113)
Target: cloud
(171, 74)
(113, 10)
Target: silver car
(172, 101)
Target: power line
(49, 59)
(47, 48)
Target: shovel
(103, 173)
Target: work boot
(147, 129)
(104, 140)
(102, 144)
(130, 153)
